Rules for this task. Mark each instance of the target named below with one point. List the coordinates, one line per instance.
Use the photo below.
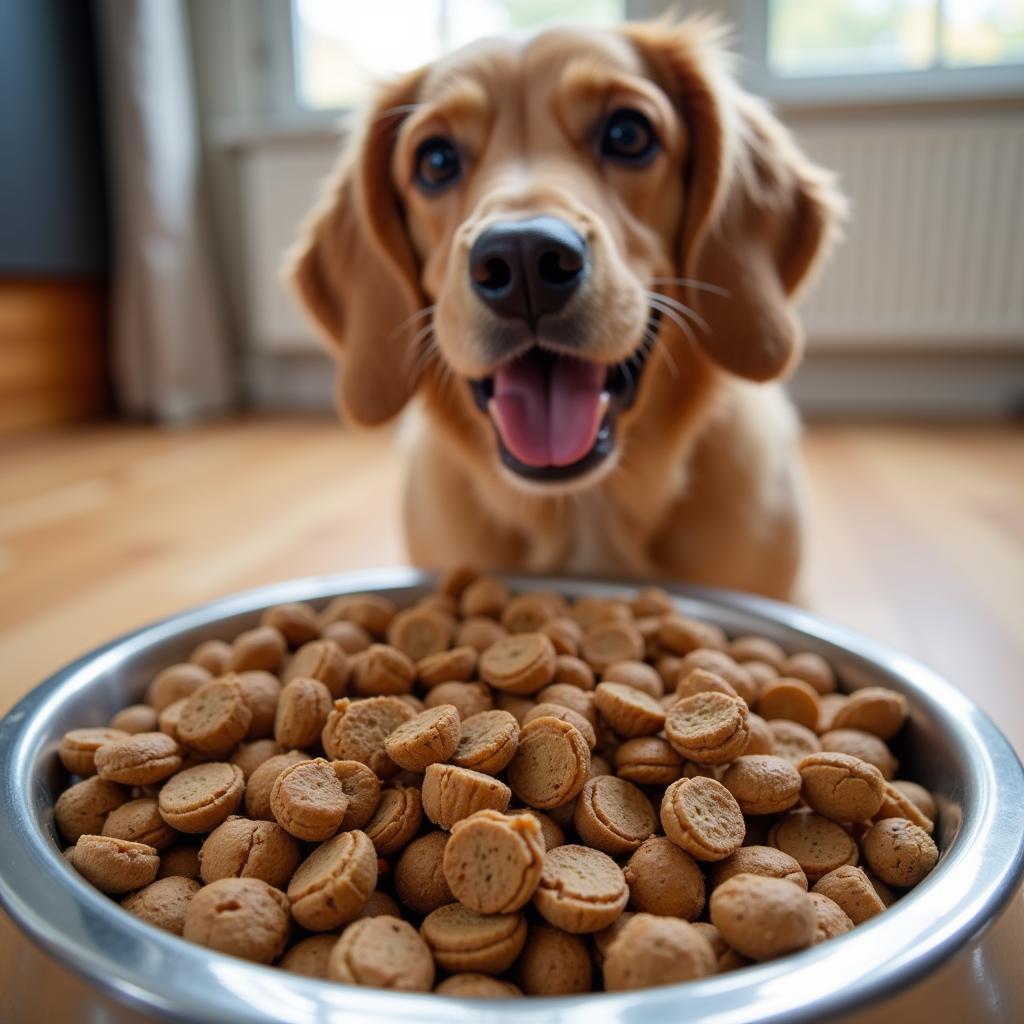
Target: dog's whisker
(687, 311)
(679, 322)
(410, 320)
(652, 341)
(690, 282)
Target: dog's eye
(437, 164)
(628, 137)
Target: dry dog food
(491, 795)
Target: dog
(581, 252)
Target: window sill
(238, 134)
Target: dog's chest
(599, 541)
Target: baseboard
(828, 384)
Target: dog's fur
(704, 485)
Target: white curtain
(171, 355)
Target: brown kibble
(758, 860)
(493, 861)
(181, 861)
(526, 613)
(920, 798)
(295, 621)
(419, 876)
(572, 697)
(581, 890)
(898, 851)
(479, 633)
(382, 671)
(841, 787)
(551, 763)
(139, 821)
(451, 793)
(382, 952)
(762, 783)
(816, 843)
(702, 817)
(261, 691)
(864, 745)
(709, 728)
(811, 668)
(850, 889)
(175, 683)
(167, 720)
(463, 940)
(637, 674)
(554, 963)
(136, 718)
(551, 831)
(565, 633)
(792, 699)
(720, 664)
(763, 918)
(792, 740)
(433, 735)
(115, 865)
(348, 636)
(241, 848)
(301, 713)
(896, 804)
(331, 885)
(701, 680)
(213, 655)
(613, 816)
(139, 760)
(648, 761)
(829, 708)
(520, 664)
(652, 950)
(476, 986)
(372, 612)
(262, 648)
(566, 714)
(483, 597)
(249, 756)
(873, 709)
(216, 718)
(356, 731)
(605, 643)
(758, 648)
(454, 581)
(468, 699)
(308, 800)
(680, 635)
(762, 740)
(664, 879)
(379, 904)
(200, 798)
(396, 820)
(243, 917)
(260, 783)
(163, 903)
(830, 919)
(309, 956)
(324, 661)
(629, 711)
(454, 666)
(574, 672)
(78, 748)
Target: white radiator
(934, 250)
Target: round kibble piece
(719, 664)
(850, 889)
(566, 714)
(175, 683)
(898, 851)
(792, 740)
(648, 761)
(637, 674)
(792, 699)
(651, 950)
(896, 804)
(463, 940)
(831, 919)
(201, 798)
(873, 709)
(457, 665)
(479, 632)
(758, 648)
(451, 793)
(181, 861)
(323, 661)
(249, 756)
(261, 648)
(493, 861)
(680, 635)
(260, 783)
(163, 903)
(215, 719)
(554, 963)
(816, 843)
(477, 986)
(136, 718)
(331, 885)
(467, 698)
(763, 783)
(709, 728)
(356, 731)
(349, 637)
(419, 633)
(759, 860)
(702, 817)
(296, 622)
(419, 876)
(864, 745)
(115, 865)
(431, 736)
(613, 816)
(78, 748)
(841, 787)
(664, 879)
(581, 890)
(139, 760)
(605, 643)
(382, 671)
(811, 668)
(309, 956)
(629, 711)
(308, 800)
(213, 655)
(487, 743)
(919, 797)
(520, 664)
(139, 821)
(261, 691)
(485, 596)
(551, 764)
(301, 714)
(242, 848)
(382, 952)
(243, 917)
(763, 918)
(573, 671)
(761, 739)
(396, 820)
(372, 612)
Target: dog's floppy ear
(758, 213)
(355, 272)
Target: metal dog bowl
(947, 951)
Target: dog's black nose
(523, 269)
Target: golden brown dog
(582, 251)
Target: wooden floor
(917, 534)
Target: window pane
(842, 37)
(342, 49)
(980, 32)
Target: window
(341, 49)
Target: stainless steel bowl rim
(156, 971)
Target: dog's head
(544, 229)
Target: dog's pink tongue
(549, 419)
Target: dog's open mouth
(554, 414)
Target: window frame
(939, 83)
